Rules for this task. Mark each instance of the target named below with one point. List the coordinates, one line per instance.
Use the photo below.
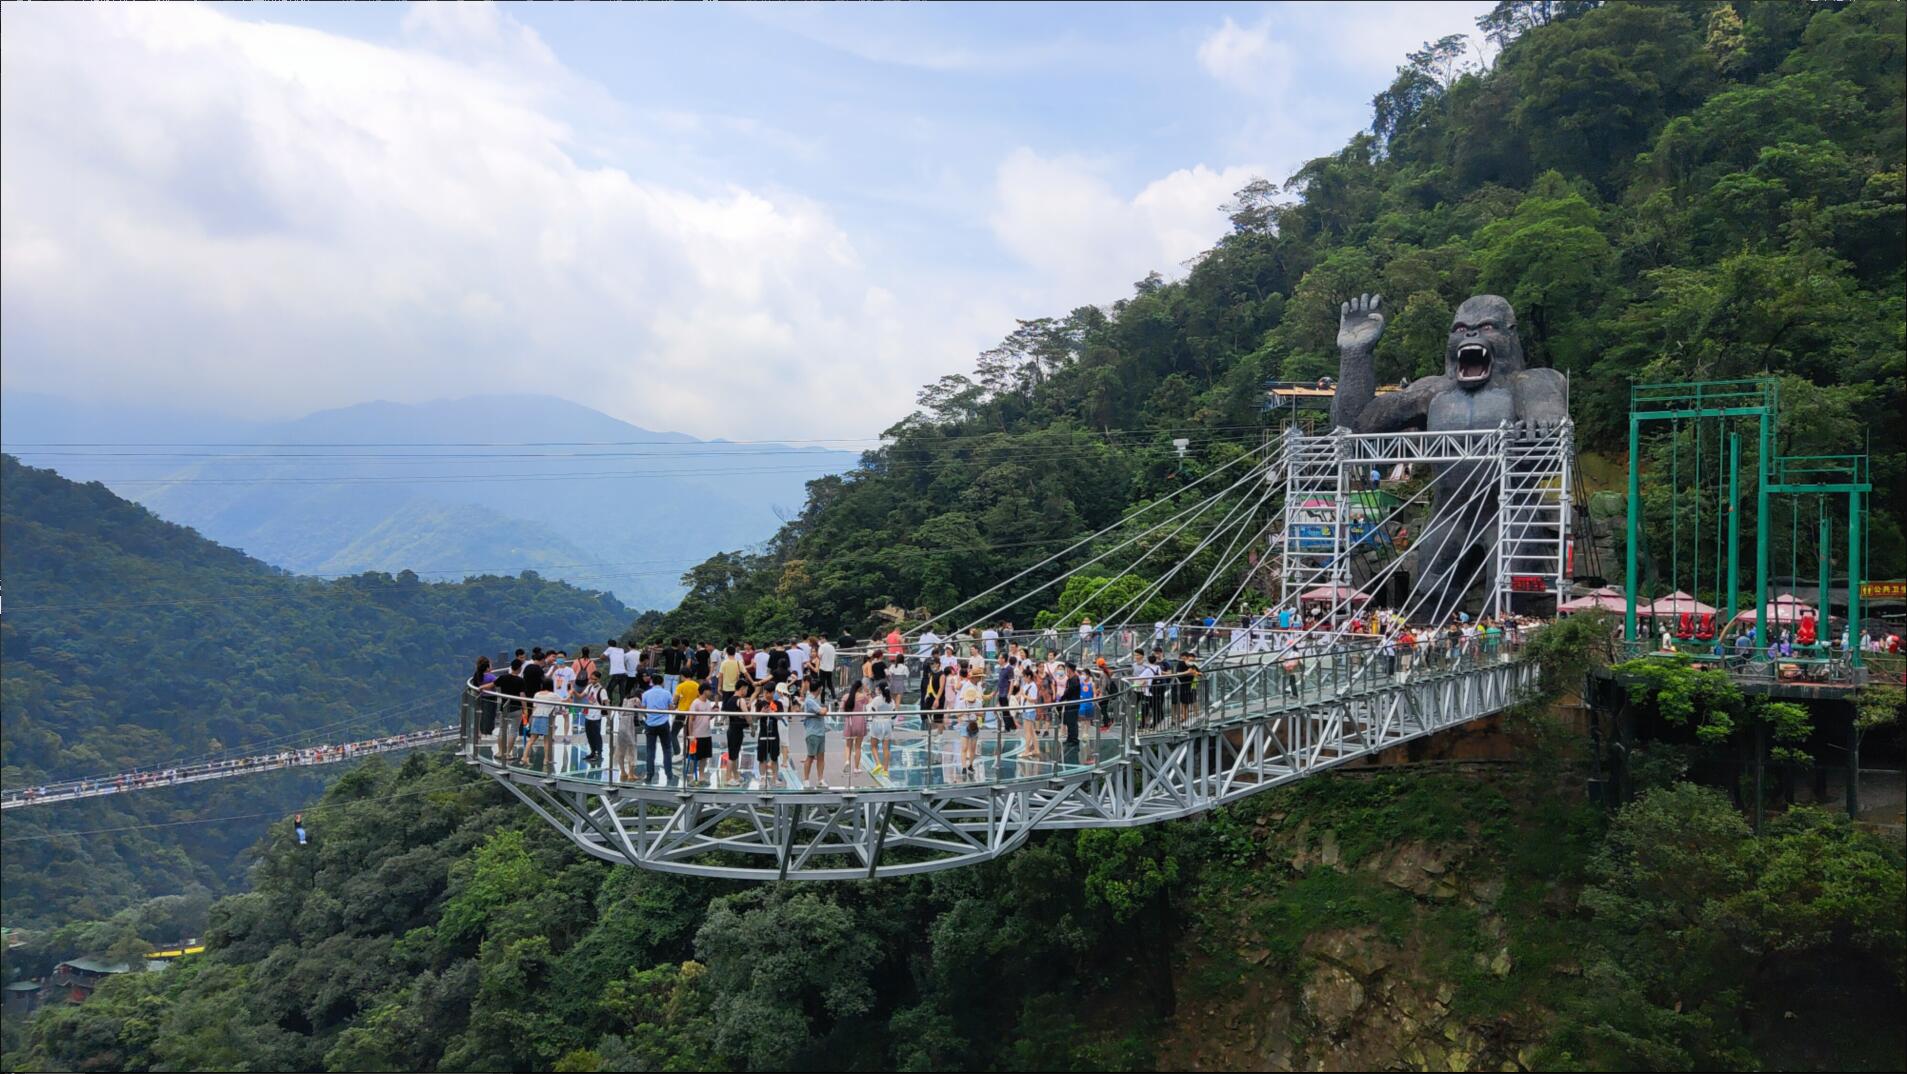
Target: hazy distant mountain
(442, 488)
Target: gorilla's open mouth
(1473, 362)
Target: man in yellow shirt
(686, 691)
(731, 672)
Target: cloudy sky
(742, 221)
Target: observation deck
(1256, 719)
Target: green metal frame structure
(1801, 475)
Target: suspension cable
(1249, 475)
(1084, 541)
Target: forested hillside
(1424, 919)
(1664, 191)
(129, 641)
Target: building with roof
(75, 979)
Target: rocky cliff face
(1375, 922)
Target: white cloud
(1248, 59)
(1061, 217)
(901, 36)
(262, 215)
(1373, 37)
(1290, 70)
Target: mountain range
(486, 484)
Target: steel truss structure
(1529, 467)
(1259, 737)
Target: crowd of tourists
(708, 705)
(636, 709)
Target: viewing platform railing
(950, 746)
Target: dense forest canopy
(129, 641)
(434, 925)
(1664, 191)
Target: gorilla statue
(1484, 384)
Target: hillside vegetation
(1425, 919)
(1664, 191)
(128, 641)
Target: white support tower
(1534, 512)
(1527, 473)
(1313, 548)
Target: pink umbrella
(1786, 608)
(1606, 599)
(1675, 604)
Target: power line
(1136, 431)
(1003, 454)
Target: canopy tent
(1786, 608)
(1369, 501)
(1676, 603)
(1332, 594)
(1605, 599)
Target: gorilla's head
(1483, 342)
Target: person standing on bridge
(735, 731)
(481, 681)
(771, 707)
(683, 696)
(965, 700)
(895, 674)
(880, 729)
(1022, 700)
(701, 734)
(509, 692)
(658, 709)
(814, 733)
(931, 684)
(542, 724)
(617, 684)
(1069, 713)
(592, 696)
(826, 655)
(731, 673)
(1186, 674)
